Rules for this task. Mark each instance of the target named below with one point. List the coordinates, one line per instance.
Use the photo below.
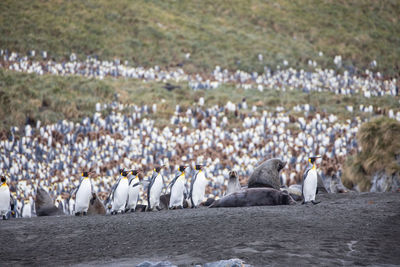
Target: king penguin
(83, 195)
(310, 182)
(5, 198)
(154, 189)
(178, 189)
(197, 187)
(119, 194)
(26, 210)
(134, 191)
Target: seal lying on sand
(44, 204)
(96, 207)
(267, 174)
(254, 197)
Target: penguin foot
(113, 212)
(4, 217)
(77, 213)
(315, 202)
(84, 213)
(158, 208)
(132, 210)
(180, 207)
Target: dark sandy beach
(345, 229)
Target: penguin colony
(53, 156)
(370, 84)
(125, 193)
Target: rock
(382, 182)
(227, 263)
(156, 264)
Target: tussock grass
(226, 33)
(380, 144)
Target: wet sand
(344, 229)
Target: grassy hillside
(226, 33)
(28, 98)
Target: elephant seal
(254, 197)
(233, 183)
(267, 174)
(96, 207)
(44, 204)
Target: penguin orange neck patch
(3, 184)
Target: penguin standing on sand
(5, 199)
(83, 195)
(26, 210)
(154, 189)
(197, 187)
(119, 194)
(133, 191)
(178, 189)
(310, 182)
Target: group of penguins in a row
(125, 193)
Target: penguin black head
(312, 159)
(198, 167)
(124, 173)
(158, 169)
(135, 172)
(85, 174)
(3, 179)
(121, 171)
(182, 168)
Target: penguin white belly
(4, 200)
(310, 186)
(199, 188)
(133, 195)
(27, 210)
(71, 206)
(155, 192)
(120, 195)
(177, 192)
(83, 196)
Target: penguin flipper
(171, 184)
(113, 190)
(304, 178)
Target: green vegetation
(28, 97)
(380, 144)
(226, 33)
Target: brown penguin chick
(96, 207)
